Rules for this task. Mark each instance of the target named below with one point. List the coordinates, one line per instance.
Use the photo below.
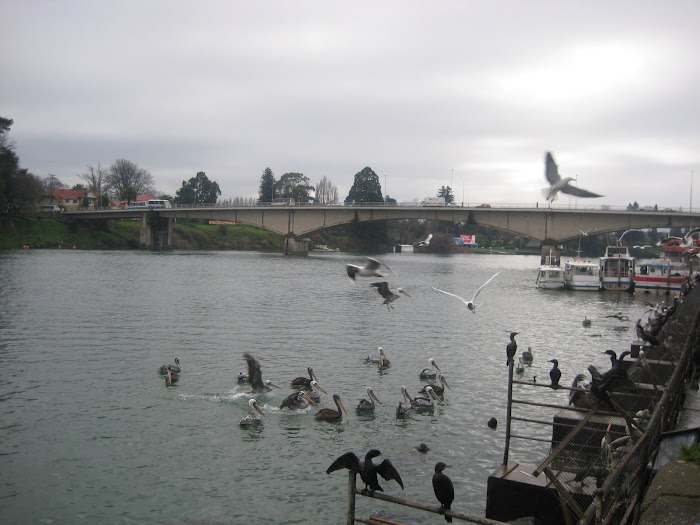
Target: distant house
(69, 199)
(140, 197)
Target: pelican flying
(389, 296)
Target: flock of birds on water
(307, 390)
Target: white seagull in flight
(469, 304)
(371, 269)
(557, 184)
(426, 242)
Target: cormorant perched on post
(444, 490)
(511, 348)
(367, 470)
(644, 335)
(554, 373)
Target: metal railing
(597, 481)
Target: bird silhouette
(367, 469)
(511, 348)
(443, 488)
(389, 296)
(554, 374)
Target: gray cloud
(427, 94)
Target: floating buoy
(59, 246)
(74, 246)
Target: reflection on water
(90, 430)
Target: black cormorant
(367, 470)
(444, 490)
(511, 348)
(554, 374)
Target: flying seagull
(471, 305)
(425, 242)
(557, 184)
(371, 269)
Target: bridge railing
(412, 204)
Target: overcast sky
(470, 94)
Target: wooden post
(508, 410)
(350, 519)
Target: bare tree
(95, 177)
(326, 191)
(51, 182)
(127, 180)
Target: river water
(91, 433)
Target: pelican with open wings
(471, 305)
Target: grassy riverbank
(117, 235)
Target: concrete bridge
(297, 221)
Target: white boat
(550, 275)
(617, 269)
(582, 275)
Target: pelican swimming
(368, 404)
(554, 374)
(171, 377)
(429, 373)
(389, 296)
(252, 419)
(305, 381)
(313, 393)
(328, 414)
(439, 389)
(242, 377)
(255, 375)
(367, 470)
(380, 360)
(419, 403)
(173, 368)
(443, 488)
(471, 305)
(557, 184)
(371, 269)
(520, 367)
(425, 242)
(586, 321)
(527, 356)
(511, 348)
(404, 406)
(297, 401)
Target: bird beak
(321, 388)
(371, 393)
(444, 382)
(308, 398)
(342, 406)
(257, 407)
(434, 395)
(406, 293)
(272, 384)
(313, 374)
(435, 365)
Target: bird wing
(482, 286)
(254, 373)
(348, 460)
(373, 264)
(351, 270)
(551, 171)
(382, 288)
(453, 295)
(389, 472)
(578, 192)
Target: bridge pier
(294, 246)
(156, 232)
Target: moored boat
(617, 269)
(672, 269)
(581, 275)
(550, 275)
